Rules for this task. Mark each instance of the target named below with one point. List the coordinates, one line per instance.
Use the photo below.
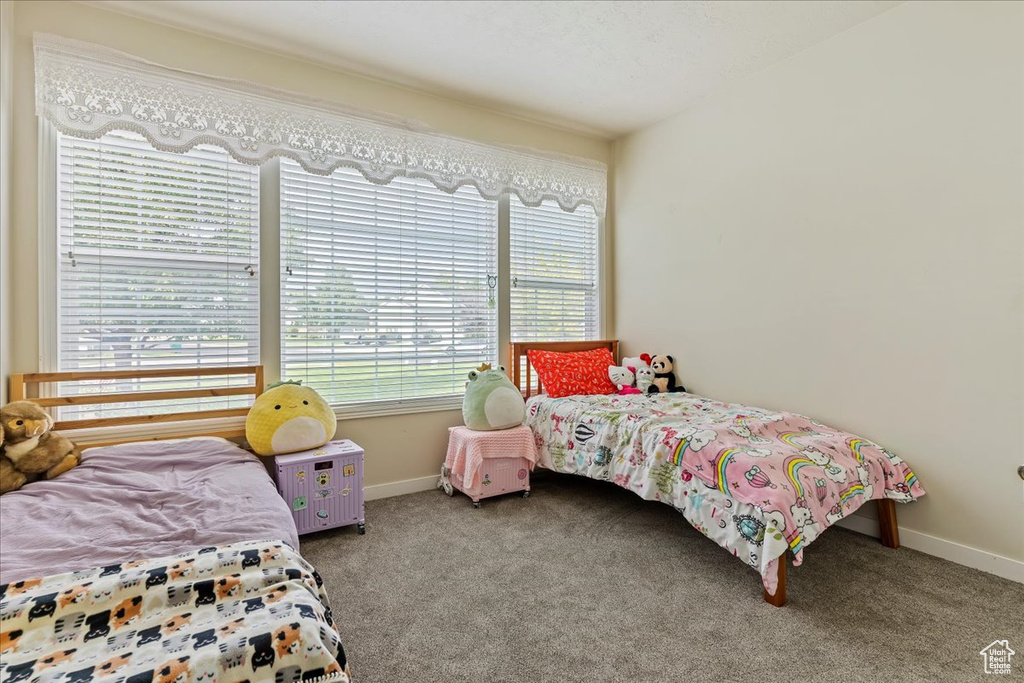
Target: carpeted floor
(586, 582)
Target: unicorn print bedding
(756, 482)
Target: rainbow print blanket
(756, 481)
(241, 612)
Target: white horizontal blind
(385, 295)
(554, 269)
(157, 266)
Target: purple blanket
(140, 501)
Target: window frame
(269, 275)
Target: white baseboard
(1005, 567)
(400, 488)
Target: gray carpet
(586, 582)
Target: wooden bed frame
(26, 387)
(890, 534)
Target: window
(554, 267)
(388, 292)
(157, 264)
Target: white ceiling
(603, 67)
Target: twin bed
(757, 482)
(159, 561)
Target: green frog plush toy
(492, 401)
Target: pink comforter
(793, 477)
(140, 501)
(803, 475)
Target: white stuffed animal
(623, 378)
(638, 362)
(644, 378)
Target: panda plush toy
(664, 376)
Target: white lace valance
(88, 90)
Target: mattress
(140, 501)
(757, 482)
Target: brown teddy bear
(10, 478)
(31, 450)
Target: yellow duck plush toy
(289, 417)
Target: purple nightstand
(323, 486)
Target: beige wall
(399, 447)
(6, 110)
(842, 235)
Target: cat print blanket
(242, 612)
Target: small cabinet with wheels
(487, 464)
(323, 486)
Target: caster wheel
(476, 504)
(526, 494)
(362, 529)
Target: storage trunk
(497, 476)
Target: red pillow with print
(580, 373)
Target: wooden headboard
(520, 363)
(20, 385)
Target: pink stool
(487, 464)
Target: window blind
(388, 291)
(554, 269)
(157, 266)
